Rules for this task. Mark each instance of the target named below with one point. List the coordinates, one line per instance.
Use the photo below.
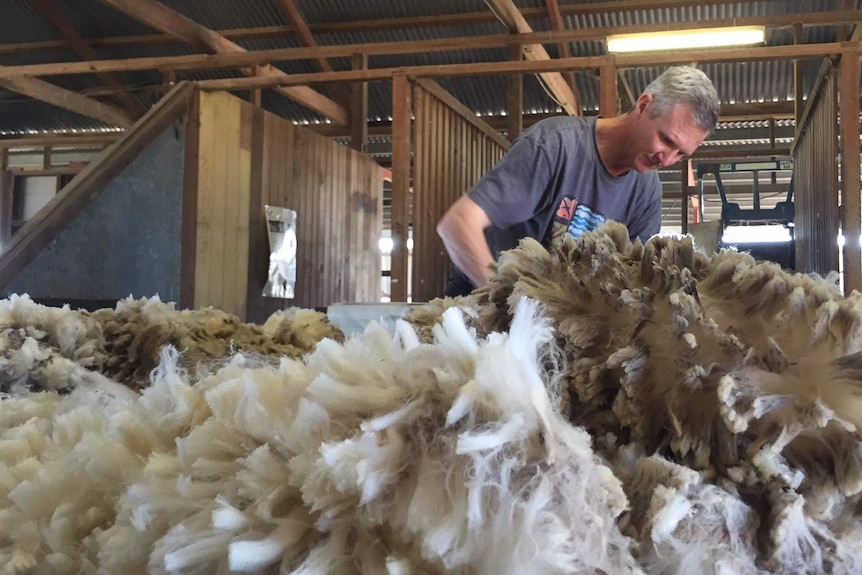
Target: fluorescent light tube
(685, 39)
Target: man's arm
(462, 230)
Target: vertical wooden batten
(799, 66)
(189, 207)
(850, 179)
(608, 92)
(514, 98)
(359, 107)
(258, 248)
(5, 198)
(453, 149)
(401, 152)
(222, 225)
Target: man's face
(661, 141)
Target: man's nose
(669, 158)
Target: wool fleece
(379, 455)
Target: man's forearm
(473, 262)
(462, 232)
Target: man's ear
(643, 102)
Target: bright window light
(683, 39)
(385, 245)
(756, 235)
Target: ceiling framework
(171, 22)
(221, 52)
(559, 89)
(64, 28)
(383, 24)
(555, 19)
(293, 16)
(241, 58)
(68, 100)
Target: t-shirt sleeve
(511, 191)
(648, 222)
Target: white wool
(364, 464)
(397, 567)
(771, 464)
(674, 508)
(796, 545)
(340, 459)
(406, 335)
(205, 547)
(251, 555)
(392, 418)
(227, 517)
(495, 436)
(25, 358)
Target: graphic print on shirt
(574, 219)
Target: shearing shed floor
(604, 407)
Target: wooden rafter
(294, 17)
(248, 59)
(66, 30)
(379, 24)
(541, 66)
(512, 18)
(68, 100)
(162, 18)
(556, 20)
(844, 32)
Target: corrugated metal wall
(815, 156)
(451, 152)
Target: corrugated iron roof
(736, 82)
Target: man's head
(671, 118)
(685, 85)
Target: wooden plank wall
(816, 179)
(249, 158)
(453, 148)
(223, 198)
(338, 196)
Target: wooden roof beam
(512, 18)
(556, 20)
(540, 66)
(248, 59)
(293, 16)
(162, 18)
(379, 24)
(66, 30)
(68, 100)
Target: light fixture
(756, 234)
(684, 39)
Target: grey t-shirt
(552, 182)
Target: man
(567, 175)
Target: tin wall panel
(816, 162)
